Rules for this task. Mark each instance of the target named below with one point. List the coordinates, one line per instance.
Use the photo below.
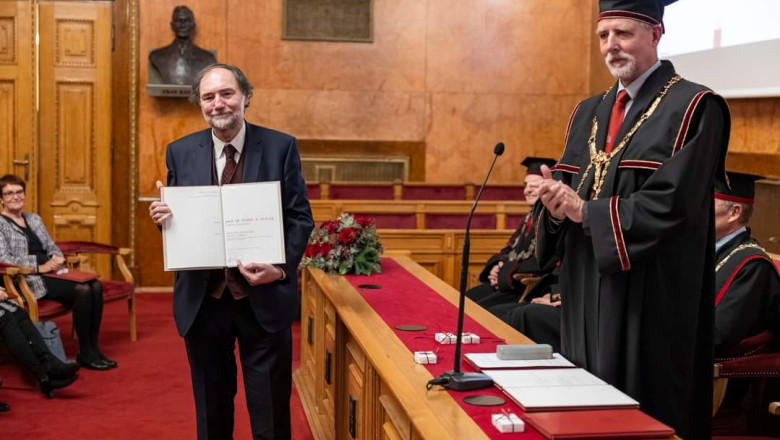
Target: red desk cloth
(404, 299)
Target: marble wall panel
(344, 115)
(395, 61)
(465, 127)
(509, 46)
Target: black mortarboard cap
(741, 187)
(534, 164)
(648, 11)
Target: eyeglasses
(10, 194)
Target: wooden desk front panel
(373, 369)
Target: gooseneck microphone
(456, 379)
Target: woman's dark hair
(243, 83)
(11, 179)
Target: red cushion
(361, 192)
(116, 290)
(513, 221)
(314, 190)
(48, 308)
(443, 192)
(458, 221)
(74, 247)
(394, 221)
(498, 192)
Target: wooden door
(75, 120)
(18, 123)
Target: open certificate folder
(215, 226)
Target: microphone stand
(456, 379)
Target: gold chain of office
(600, 160)
(737, 249)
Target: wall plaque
(328, 20)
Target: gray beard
(222, 123)
(621, 73)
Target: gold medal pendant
(600, 160)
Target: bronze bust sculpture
(180, 61)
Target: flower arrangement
(347, 244)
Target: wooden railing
(396, 214)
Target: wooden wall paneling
(766, 211)
(18, 116)
(75, 120)
(123, 121)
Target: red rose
(309, 252)
(325, 249)
(332, 226)
(363, 220)
(346, 235)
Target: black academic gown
(517, 250)
(638, 274)
(747, 285)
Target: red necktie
(616, 118)
(230, 165)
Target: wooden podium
(358, 381)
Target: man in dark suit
(257, 302)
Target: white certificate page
(192, 238)
(253, 223)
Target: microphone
(456, 379)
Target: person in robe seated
(26, 345)
(747, 283)
(747, 299)
(25, 242)
(498, 283)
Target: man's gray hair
(243, 83)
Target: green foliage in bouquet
(346, 244)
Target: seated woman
(25, 242)
(26, 345)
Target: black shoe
(48, 385)
(107, 361)
(92, 365)
(4, 407)
(62, 370)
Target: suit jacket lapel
(204, 160)
(254, 154)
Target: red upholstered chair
(756, 358)
(503, 192)
(313, 190)
(361, 191)
(412, 191)
(458, 221)
(78, 252)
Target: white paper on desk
(570, 397)
(560, 377)
(490, 361)
(213, 226)
(254, 230)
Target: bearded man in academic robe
(630, 208)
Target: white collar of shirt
(219, 148)
(636, 85)
(726, 239)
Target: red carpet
(148, 397)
